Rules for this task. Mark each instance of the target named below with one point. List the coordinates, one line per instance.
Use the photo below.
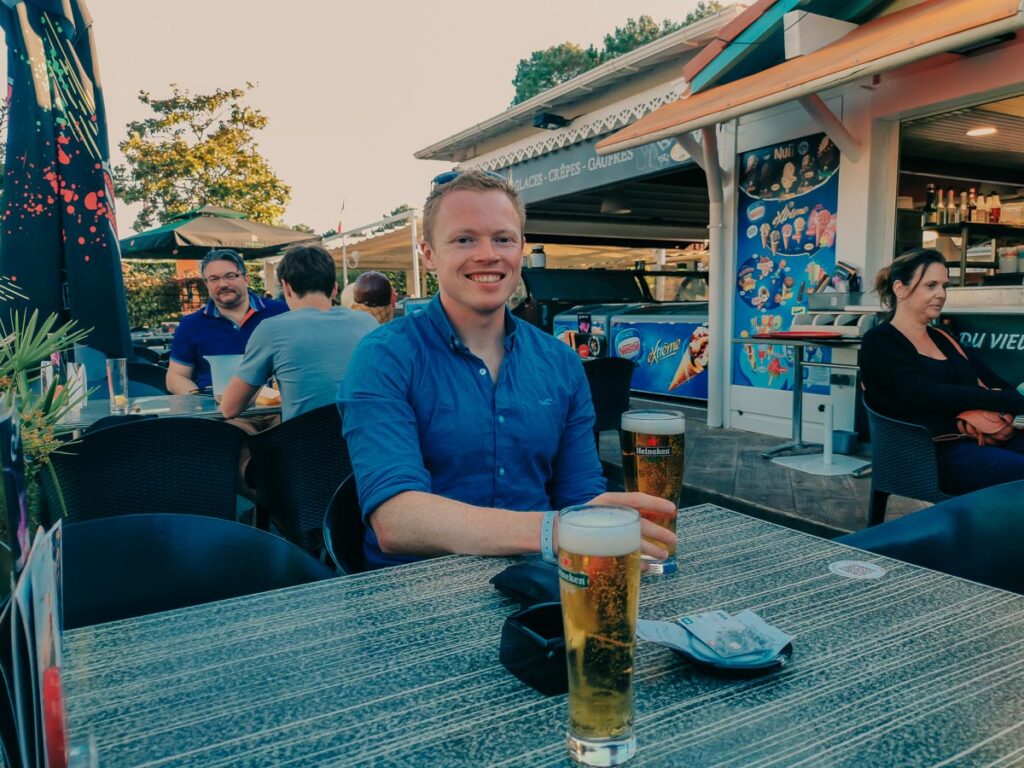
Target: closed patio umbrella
(58, 233)
(191, 235)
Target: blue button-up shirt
(421, 413)
(208, 332)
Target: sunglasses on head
(449, 176)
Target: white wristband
(547, 537)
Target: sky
(351, 89)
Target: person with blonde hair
(466, 426)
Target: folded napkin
(268, 396)
(744, 642)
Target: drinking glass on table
(117, 383)
(599, 583)
(653, 447)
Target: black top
(904, 384)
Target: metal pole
(415, 258)
(720, 347)
(344, 263)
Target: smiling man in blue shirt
(465, 425)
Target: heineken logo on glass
(660, 450)
(580, 580)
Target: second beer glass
(653, 446)
(599, 580)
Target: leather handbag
(987, 427)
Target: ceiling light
(615, 205)
(984, 130)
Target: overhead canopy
(392, 251)
(191, 235)
(886, 42)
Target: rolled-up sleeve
(378, 421)
(577, 475)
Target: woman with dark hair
(915, 372)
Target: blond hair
(476, 180)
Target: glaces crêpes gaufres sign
(786, 238)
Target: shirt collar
(435, 312)
(255, 304)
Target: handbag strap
(952, 341)
(960, 349)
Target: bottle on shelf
(972, 206)
(952, 211)
(982, 210)
(964, 214)
(943, 217)
(930, 215)
(994, 207)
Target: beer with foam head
(599, 573)
(653, 446)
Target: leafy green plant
(29, 342)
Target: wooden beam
(832, 125)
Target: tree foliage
(559, 63)
(199, 149)
(394, 224)
(554, 65)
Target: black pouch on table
(529, 582)
(533, 648)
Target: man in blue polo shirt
(466, 426)
(222, 327)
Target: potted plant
(29, 342)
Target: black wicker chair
(144, 354)
(170, 464)
(609, 379)
(146, 379)
(133, 565)
(975, 536)
(343, 529)
(903, 462)
(295, 469)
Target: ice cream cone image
(774, 240)
(695, 360)
(765, 229)
(798, 228)
(787, 232)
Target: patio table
(158, 405)
(400, 667)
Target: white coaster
(815, 464)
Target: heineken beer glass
(599, 579)
(653, 443)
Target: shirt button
(483, 371)
(501, 419)
(501, 471)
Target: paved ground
(724, 466)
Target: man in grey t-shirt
(306, 349)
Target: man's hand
(236, 397)
(652, 532)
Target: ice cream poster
(786, 238)
(671, 357)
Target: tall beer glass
(599, 577)
(653, 446)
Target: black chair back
(146, 379)
(344, 530)
(133, 565)
(144, 354)
(117, 420)
(975, 536)
(610, 379)
(296, 467)
(903, 462)
(174, 465)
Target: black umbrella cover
(58, 233)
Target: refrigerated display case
(670, 344)
(585, 327)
